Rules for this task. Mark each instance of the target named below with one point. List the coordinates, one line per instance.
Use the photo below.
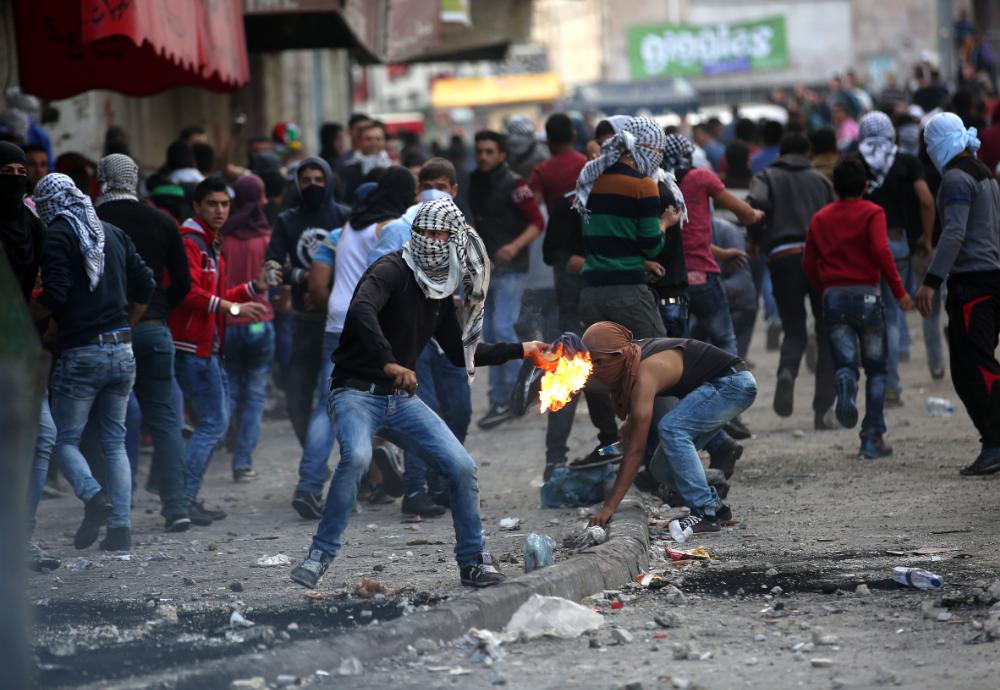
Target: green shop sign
(675, 50)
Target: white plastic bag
(554, 617)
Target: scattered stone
(498, 679)
(622, 636)
(189, 581)
(293, 626)
(167, 613)
(425, 645)
(278, 559)
(237, 620)
(667, 620)
(681, 650)
(62, 649)
(771, 572)
(674, 596)
(255, 683)
(760, 637)
(596, 643)
(263, 634)
(283, 681)
(798, 433)
(351, 666)
(821, 663)
(819, 638)
(863, 590)
(777, 591)
(236, 586)
(752, 661)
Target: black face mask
(12, 191)
(313, 196)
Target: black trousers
(560, 424)
(973, 327)
(791, 292)
(303, 371)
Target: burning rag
(878, 146)
(441, 266)
(57, 197)
(607, 337)
(118, 177)
(641, 137)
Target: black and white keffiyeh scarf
(641, 137)
(57, 197)
(877, 146)
(118, 177)
(441, 267)
(677, 160)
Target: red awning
(135, 47)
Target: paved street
(823, 519)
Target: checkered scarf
(641, 137)
(877, 146)
(57, 197)
(118, 176)
(442, 267)
(677, 153)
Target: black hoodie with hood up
(300, 230)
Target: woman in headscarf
(897, 183)
(968, 256)
(249, 343)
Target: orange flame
(563, 377)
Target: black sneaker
(988, 462)
(177, 523)
(310, 571)
(95, 513)
(421, 504)
(389, 462)
(847, 408)
(596, 458)
(737, 429)
(874, 447)
(482, 573)
(244, 474)
(723, 513)
(309, 506)
(784, 394)
(203, 517)
(117, 539)
(893, 399)
(726, 458)
(693, 525)
(379, 496)
(442, 498)
(498, 414)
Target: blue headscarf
(946, 137)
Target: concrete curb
(607, 566)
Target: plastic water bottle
(939, 407)
(611, 450)
(538, 551)
(915, 577)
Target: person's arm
(878, 246)
(319, 283)
(374, 289)
(524, 202)
(636, 437)
(810, 258)
(135, 312)
(957, 192)
(448, 334)
(738, 257)
(138, 279)
(177, 280)
(277, 254)
(744, 212)
(57, 277)
(927, 211)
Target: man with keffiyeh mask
(402, 301)
(95, 286)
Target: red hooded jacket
(197, 320)
(989, 151)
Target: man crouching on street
(713, 386)
(401, 302)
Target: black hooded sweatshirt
(21, 231)
(299, 231)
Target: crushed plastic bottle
(538, 551)
(915, 577)
(610, 451)
(939, 407)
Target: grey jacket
(969, 207)
(789, 191)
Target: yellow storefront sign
(541, 87)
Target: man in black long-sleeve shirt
(95, 286)
(403, 300)
(158, 242)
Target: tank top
(702, 362)
(350, 264)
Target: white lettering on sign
(707, 46)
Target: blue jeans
(206, 390)
(445, 389)
(894, 314)
(320, 436)
(708, 304)
(692, 425)
(849, 318)
(40, 463)
(249, 353)
(675, 318)
(97, 377)
(503, 305)
(406, 421)
(90, 441)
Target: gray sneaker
(308, 574)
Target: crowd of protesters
(184, 304)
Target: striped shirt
(623, 227)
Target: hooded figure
(877, 145)
(620, 373)
(523, 150)
(946, 137)
(21, 231)
(677, 160)
(249, 219)
(393, 194)
(459, 264)
(117, 178)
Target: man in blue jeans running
(713, 386)
(402, 301)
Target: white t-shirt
(350, 264)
